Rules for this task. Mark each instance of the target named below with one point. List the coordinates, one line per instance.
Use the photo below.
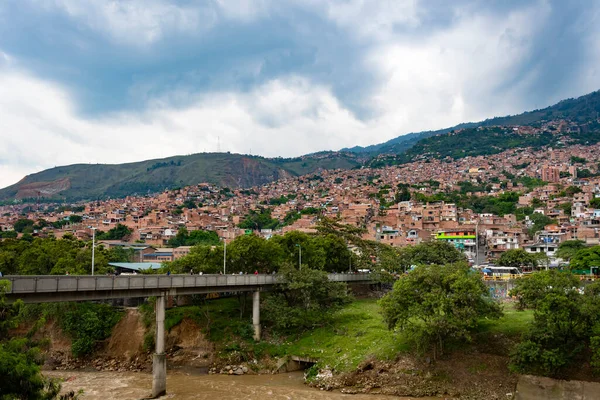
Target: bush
(87, 323)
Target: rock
(245, 369)
(230, 372)
(238, 371)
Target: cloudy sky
(124, 80)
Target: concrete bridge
(53, 288)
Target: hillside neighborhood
(526, 198)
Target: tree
(303, 299)
(595, 202)
(567, 249)
(516, 258)
(566, 323)
(260, 219)
(402, 195)
(119, 232)
(566, 207)
(22, 225)
(436, 303)
(572, 190)
(75, 218)
(185, 238)
(314, 251)
(433, 252)
(19, 361)
(249, 253)
(586, 258)
(539, 221)
(202, 258)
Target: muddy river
(136, 385)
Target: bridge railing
(84, 283)
(53, 283)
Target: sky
(112, 81)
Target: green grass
(354, 334)
(512, 324)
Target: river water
(137, 385)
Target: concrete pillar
(256, 314)
(159, 360)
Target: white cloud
(285, 117)
(135, 22)
(440, 79)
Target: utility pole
(93, 248)
(477, 242)
(224, 256)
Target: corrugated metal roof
(136, 266)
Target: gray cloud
(280, 77)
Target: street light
(299, 256)
(224, 256)
(93, 248)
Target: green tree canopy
(259, 219)
(22, 225)
(567, 249)
(303, 299)
(433, 252)
(185, 238)
(119, 232)
(436, 303)
(586, 258)
(516, 258)
(19, 361)
(566, 323)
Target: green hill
(92, 181)
(580, 110)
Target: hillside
(579, 111)
(91, 181)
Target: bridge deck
(52, 288)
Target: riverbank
(132, 385)
(354, 353)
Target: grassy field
(355, 333)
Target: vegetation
(50, 256)
(250, 253)
(434, 252)
(539, 221)
(436, 303)
(581, 110)
(566, 324)
(567, 249)
(259, 219)
(585, 258)
(93, 181)
(20, 360)
(520, 258)
(185, 238)
(305, 298)
(119, 232)
(85, 323)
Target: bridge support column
(256, 314)
(159, 360)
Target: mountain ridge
(580, 105)
(91, 181)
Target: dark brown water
(135, 385)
